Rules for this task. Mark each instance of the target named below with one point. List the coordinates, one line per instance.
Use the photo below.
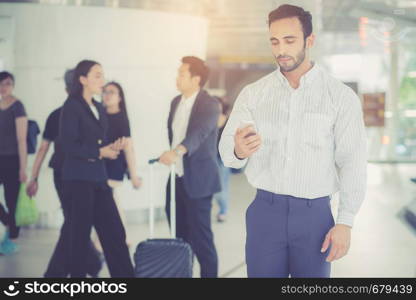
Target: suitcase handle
(152, 161)
(172, 207)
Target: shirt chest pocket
(316, 130)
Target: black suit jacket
(81, 136)
(201, 170)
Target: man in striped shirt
(301, 134)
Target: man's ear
(310, 41)
(196, 80)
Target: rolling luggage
(163, 258)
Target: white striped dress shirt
(313, 139)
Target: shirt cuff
(345, 218)
(234, 162)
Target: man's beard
(300, 58)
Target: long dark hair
(122, 104)
(82, 69)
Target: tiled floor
(381, 245)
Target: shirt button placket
(287, 144)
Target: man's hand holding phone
(246, 140)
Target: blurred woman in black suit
(83, 135)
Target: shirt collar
(306, 78)
(191, 100)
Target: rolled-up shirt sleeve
(239, 114)
(350, 157)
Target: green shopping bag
(26, 211)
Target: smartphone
(244, 124)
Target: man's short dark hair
(197, 67)
(290, 11)
(5, 75)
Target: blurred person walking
(223, 197)
(59, 263)
(83, 134)
(118, 127)
(13, 158)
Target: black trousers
(193, 225)
(59, 263)
(9, 178)
(92, 204)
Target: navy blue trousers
(9, 178)
(193, 225)
(92, 204)
(285, 236)
(60, 264)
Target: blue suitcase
(163, 258)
